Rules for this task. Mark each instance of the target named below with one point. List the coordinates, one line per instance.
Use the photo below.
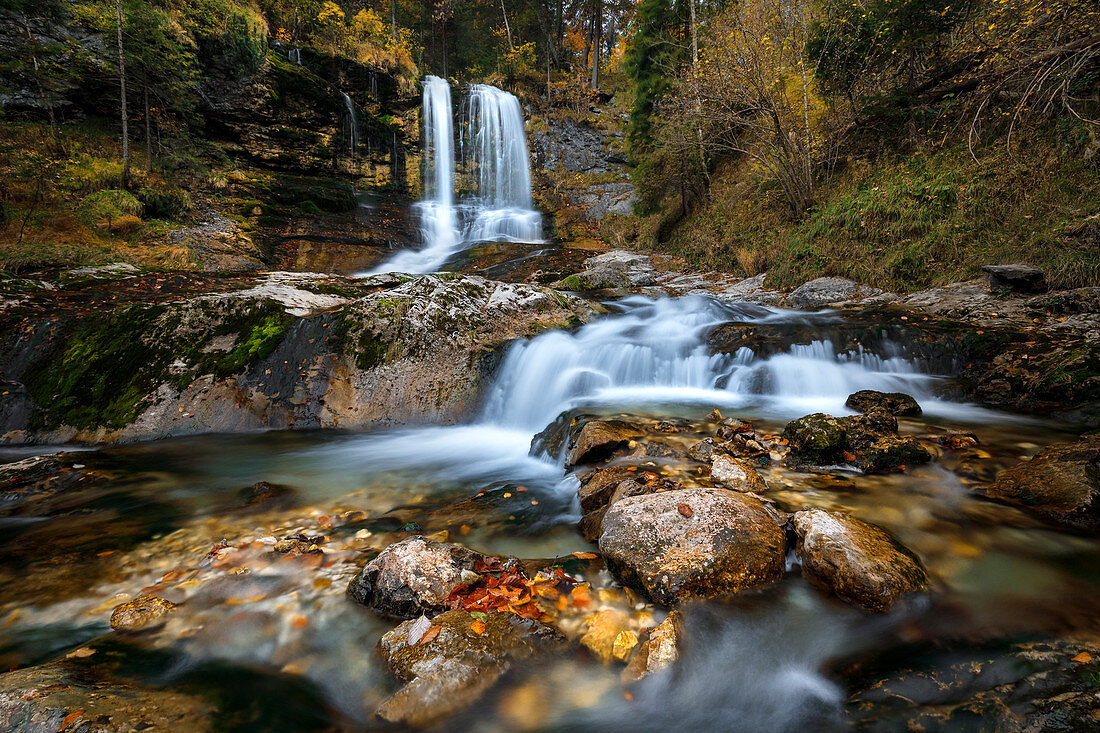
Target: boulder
(816, 438)
(659, 650)
(615, 269)
(1060, 485)
(893, 403)
(892, 453)
(826, 291)
(705, 450)
(1015, 278)
(858, 562)
(706, 542)
(448, 663)
(141, 613)
(737, 474)
(863, 431)
(413, 577)
(598, 439)
(597, 487)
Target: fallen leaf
(69, 720)
(685, 510)
(478, 627)
(1083, 658)
(430, 634)
(585, 555)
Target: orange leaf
(685, 510)
(69, 720)
(478, 627)
(430, 634)
(585, 555)
(1083, 658)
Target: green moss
(370, 350)
(574, 282)
(102, 373)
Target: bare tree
(122, 85)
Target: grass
(906, 222)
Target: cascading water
(352, 123)
(494, 148)
(436, 210)
(495, 154)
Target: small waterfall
(295, 56)
(495, 153)
(494, 147)
(353, 124)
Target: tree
(122, 86)
(650, 62)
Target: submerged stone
(140, 613)
(856, 561)
(689, 543)
(659, 650)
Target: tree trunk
(694, 39)
(507, 28)
(393, 20)
(597, 41)
(38, 83)
(148, 134)
(122, 86)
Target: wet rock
(731, 427)
(707, 449)
(449, 663)
(659, 650)
(1068, 302)
(598, 439)
(140, 613)
(816, 438)
(693, 542)
(892, 453)
(265, 496)
(737, 474)
(658, 450)
(1039, 685)
(597, 488)
(298, 544)
(618, 268)
(858, 562)
(863, 431)
(608, 635)
(1016, 278)
(1060, 485)
(828, 290)
(413, 577)
(591, 524)
(957, 441)
(894, 403)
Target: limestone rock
(599, 438)
(618, 268)
(894, 403)
(856, 561)
(455, 660)
(1015, 278)
(737, 474)
(691, 543)
(140, 613)
(826, 291)
(412, 577)
(1060, 485)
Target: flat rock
(689, 543)
(618, 268)
(858, 562)
(449, 663)
(826, 291)
(1060, 485)
(1015, 278)
(413, 577)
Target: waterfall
(353, 124)
(494, 148)
(495, 157)
(295, 56)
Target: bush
(172, 204)
(108, 206)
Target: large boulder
(448, 663)
(856, 561)
(826, 291)
(893, 403)
(413, 577)
(892, 453)
(1015, 278)
(598, 439)
(676, 545)
(1060, 485)
(294, 351)
(618, 268)
(816, 438)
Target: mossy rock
(893, 453)
(817, 438)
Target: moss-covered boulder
(817, 438)
(893, 403)
(893, 453)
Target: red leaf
(685, 510)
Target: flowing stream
(760, 665)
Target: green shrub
(172, 204)
(108, 205)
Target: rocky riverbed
(580, 504)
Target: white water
(495, 155)
(494, 148)
(353, 124)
